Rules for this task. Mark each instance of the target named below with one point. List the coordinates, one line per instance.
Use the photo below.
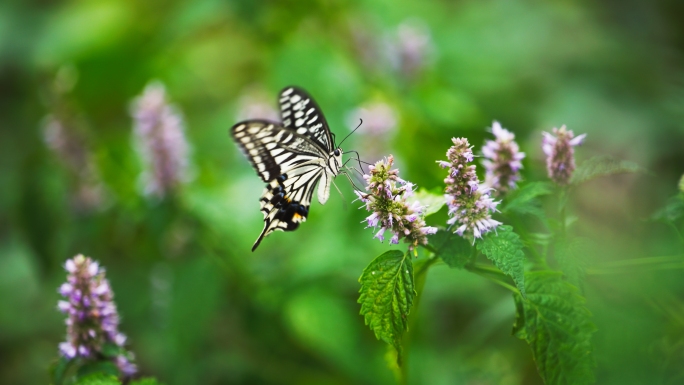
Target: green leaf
(432, 200)
(602, 165)
(111, 350)
(387, 293)
(101, 367)
(525, 200)
(98, 379)
(504, 248)
(453, 249)
(673, 210)
(58, 370)
(555, 322)
(146, 381)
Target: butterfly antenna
(353, 131)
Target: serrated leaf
(387, 293)
(453, 249)
(555, 322)
(433, 201)
(504, 248)
(98, 379)
(602, 165)
(525, 200)
(146, 381)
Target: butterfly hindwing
(301, 113)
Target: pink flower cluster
(502, 161)
(93, 320)
(160, 140)
(386, 199)
(560, 155)
(470, 205)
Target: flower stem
(493, 274)
(420, 275)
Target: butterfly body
(291, 158)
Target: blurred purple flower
(253, 104)
(502, 160)
(160, 140)
(62, 138)
(411, 48)
(378, 119)
(470, 206)
(386, 200)
(92, 319)
(560, 155)
(379, 125)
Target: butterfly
(291, 157)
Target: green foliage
(102, 366)
(602, 165)
(504, 248)
(453, 249)
(673, 210)
(555, 322)
(59, 369)
(525, 199)
(571, 257)
(98, 379)
(146, 381)
(433, 200)
(387, 293)
(199, 308)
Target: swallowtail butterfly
(291, 158)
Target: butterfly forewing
(301, 114)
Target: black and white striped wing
(290, 163)
(301, 113)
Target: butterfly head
(335, 161)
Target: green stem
(493, 274)
(420, 276)
(562, 210)
(537, 258)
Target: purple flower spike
(502, 160)
(386, 199)
(470, 205)
(560, 155)
(92, 318)
(160, 140)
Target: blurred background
(197, 305)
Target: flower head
(386, 200)
(502, 160)
(160, 141)
(560, 155)
(92, 319)
(470, 205)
